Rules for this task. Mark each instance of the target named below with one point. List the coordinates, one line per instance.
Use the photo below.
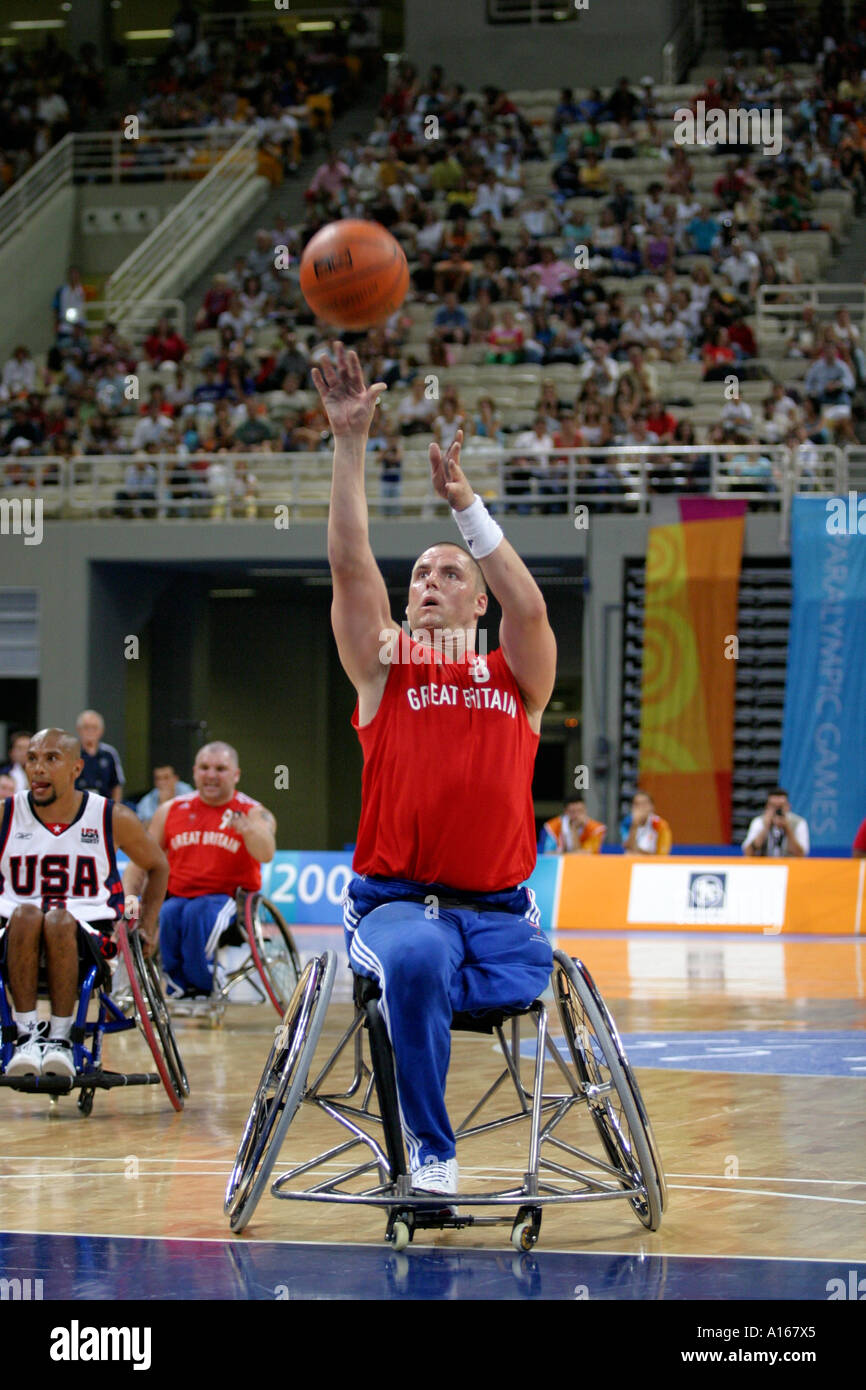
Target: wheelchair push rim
(280, 1089)
(149, 1018)
(615, 1101)
(260, 934)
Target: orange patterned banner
(689, 670)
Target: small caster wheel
(53, 1103)
(524, 1232)
(85, 1102)
(400, 1235)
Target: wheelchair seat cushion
(365, 989)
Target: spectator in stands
(102, 771)
(450, 323)
(643, 830)
(830, 381)
(776, 831)
(326, 182)
(449, 420)
(19, 374)
(505, 340)
(390, 473)
(416, 411)
(16, 766)
(137, 497)
(600, 369)
(166, 786)
(152, 428)
(572, 832)
(487, 422)
(69, 305)
(703, 233)
(164, 344)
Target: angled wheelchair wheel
(272, 949)
(615, 1101)
(152, 1015)
(159, 1014)
(281, 1089)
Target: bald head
(218, 749)
(66, 743)
(216, 772)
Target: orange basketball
(354, 274)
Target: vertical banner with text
(823, 738)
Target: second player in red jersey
(216, 839)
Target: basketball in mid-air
(354, 274)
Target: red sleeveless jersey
(447, 785)
(204, 854)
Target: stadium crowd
(501, 274)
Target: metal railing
(152, 156)
(255, 485)
(140, 272)
(780, 307)
(138, 318)
(51, 173)
(683, 46)
(108, 157)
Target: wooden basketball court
(749, 1053)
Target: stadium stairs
(287, 198)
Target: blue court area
(82, 1267)
(837, 1053)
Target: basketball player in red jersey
(60, 894)
(447, 833)
(216, 839)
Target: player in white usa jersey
(60, 893)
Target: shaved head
(218, 749)
(57, 738)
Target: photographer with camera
(777, 833)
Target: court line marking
(768, 1177)
(379, 1245)
(762, 1192)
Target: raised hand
(449, 480)
(349, 403)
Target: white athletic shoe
(436, 1175)
(57, 1058)
(26, 1060)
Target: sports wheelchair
(589, 1136)
(267, 971)
(143, 1006)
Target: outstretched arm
(360, 609)
(525, 635)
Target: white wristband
(481, 533)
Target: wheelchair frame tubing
(386, 1088)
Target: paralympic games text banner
(823, 766)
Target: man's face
(90, 730)
(775, 804)
(575, 813)
(442, 592)
(18, 751)
(215, 776)
(51, 769)
(165, 781)
(641, 807)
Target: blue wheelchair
(142, 1006)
